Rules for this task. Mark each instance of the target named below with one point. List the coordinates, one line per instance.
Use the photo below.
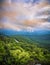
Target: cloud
(25, 16)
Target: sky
(25, 15)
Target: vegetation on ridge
(20, 50)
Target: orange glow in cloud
(24, 16)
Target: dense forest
(22, 50)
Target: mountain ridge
(13, 32)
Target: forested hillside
(22, 50)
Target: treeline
(22, 52)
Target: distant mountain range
(39, 37)
(12, 32)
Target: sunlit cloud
(25, 15)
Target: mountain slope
(23, 52)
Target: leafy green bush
(22, 52)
